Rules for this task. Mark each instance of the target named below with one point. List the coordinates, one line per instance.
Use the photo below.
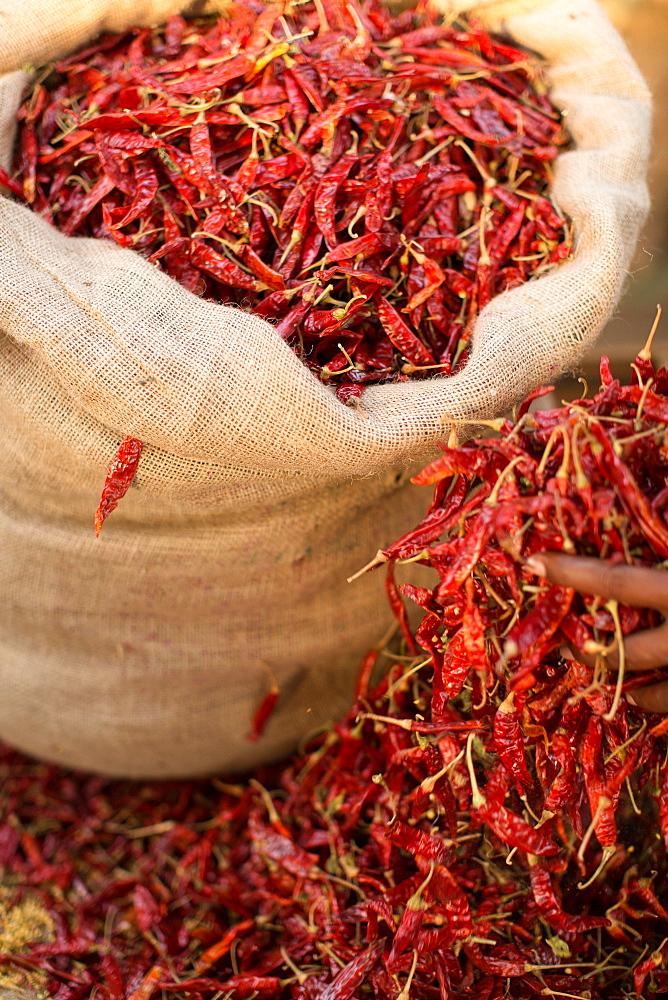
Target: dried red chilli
(309, 150)
(119, 478)
(509, 745)
(263, 712)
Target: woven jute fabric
(144, 653)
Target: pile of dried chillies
(469, 830)
(365, 182)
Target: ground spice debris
(365, 182)
(469, 830)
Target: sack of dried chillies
(259, 491)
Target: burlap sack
(144, 653)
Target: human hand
(638, 586)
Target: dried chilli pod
(508, 741)
(119, 478)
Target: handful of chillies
(470, 829)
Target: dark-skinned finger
(651, 699)
(571, 652)
(637, 586)
(645, 650)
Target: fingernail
(631, 700)
(536, 566)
